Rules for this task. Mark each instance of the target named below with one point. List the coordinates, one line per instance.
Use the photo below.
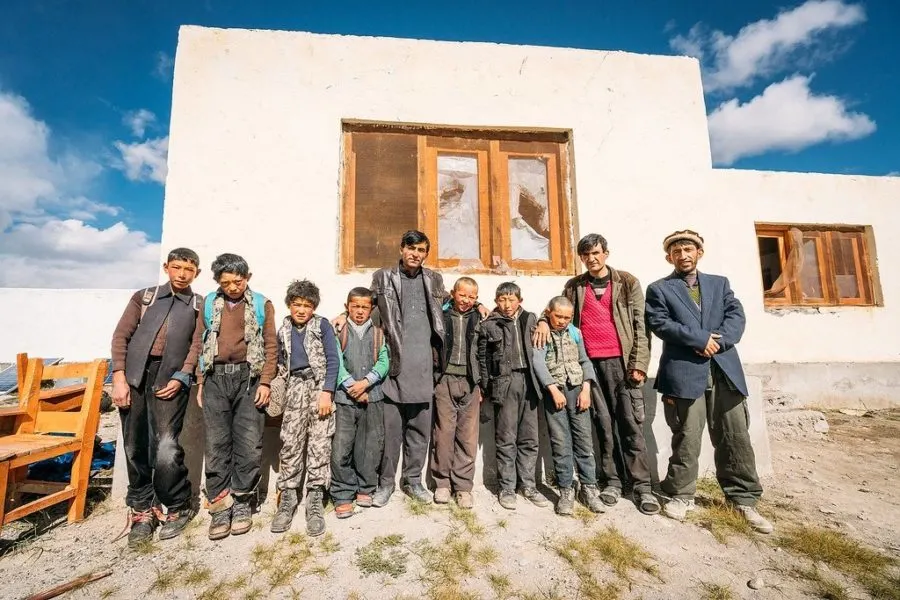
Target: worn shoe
(315, 512)
(590, 497)
(464, 499)
(344, 511)
(143, 524)
(284, 514)
(507, 499)
(647, 503)
(610, 495)
(442, 495)
(241, 518)
(364, 500)
(382, 496)
(176, 521)
(757, 521)
(535, 497)
(566, 504)
(417, 491)
(678, 508)
(220, 524)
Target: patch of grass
(553, 593)
(319, 570)
(836, 550)
(450, 592)
(720, 519)
(715, 591)
(214, 592)
(882, 587)
(417, 508)
(296, 594)
(166, 581)
(447, 562)
(708, 487)
(584, 515)
(145, 548)
(253, 594)
(383, 555)
(239, 582)
(295, 538)
(467, 519)
(613, 548)
(108, 592)
(486, 555)
(502, 524)
(328, 544)
(196, 576)
(354, 595)
(501, 584)
(823, 586)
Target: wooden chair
(43, 429)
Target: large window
(816, 265)
(491, 201)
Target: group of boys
(408, 363)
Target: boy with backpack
(359, 420)
(565, 372)
(456, 398)
(154, 352)
(236, 367)
(308, 351)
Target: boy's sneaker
(442, 495)
(143, 524)
(241, 518)
(284, 515)
(382, 496)
(566, 504)
(647, 503)
(610, 495)
(417, 491)
(315, 513)
(176, 521)
(465, 499)
(678, 508)
(590, 497)
(507, 499)
(220, 524)
(364, 500)
(535, 497)
(757, 521)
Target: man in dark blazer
(701, 380)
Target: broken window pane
(458, 217)
(529, 214)
(810, 279)
(770, 263)
(844, 253)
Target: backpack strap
(208, 303)
(148, 299)
(342, 337)
(259, 305)
(573, 331)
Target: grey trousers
(516, 433)
(407, 428)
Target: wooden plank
(39, 504)
(4, 480)
(34, 455)
(12, 411)
(62, 392)
(21, 367)
(426, 193)
(348, 208)
(553, 208)
(568, 210)
(29, 394)
(527, 134)
(90, 421)
(33, 486)
(57, 422)
(500, 241)
(484, 209)
(68, 371)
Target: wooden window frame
(824, 236)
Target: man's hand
(168, 392)
(326, 406)
(200, 395)
(358, 388)
(559, 399)
(363, 398)
(121, 392)
(339, 321)
(712, 346)
(541, 335)
(484, 311)
(637, 376)
(262, 396)
(584, 397)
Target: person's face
(594, 260)
(560, 317)
(464, 296)
(508, 304)
(234, 285)
(301, 310)
(359, 309)
(181, 273)
(413, 256)
(684, 256)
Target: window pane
(770, 263)
(458, 217)
(809, 276)
(529, 215)
(844, 252)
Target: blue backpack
(259, 306)
(573, 331)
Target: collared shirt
(692, 283)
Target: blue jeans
(571, 440)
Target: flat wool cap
(685, 235)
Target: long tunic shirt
(415, 383)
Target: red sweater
(601, 340)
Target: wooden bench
(45, 430)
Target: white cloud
(139, 120)
(893, 174)
(144, 161)
(164, 66)
(765, 47)
(785, 117)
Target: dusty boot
(566, 504)
(315, 513)
(287, 506)
(241, 518)
(176, 521)
(757, 521)
(590, 497)
(442, 495)
(220, 524)
(143, 524)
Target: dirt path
(846, 481)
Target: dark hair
(466, 281)
(185, 254)
(591, 241)
(360, 292)
(230, 263)
(413, 237)
(557, 301)
(508, 288)
(303, 289)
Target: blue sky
(85, 94)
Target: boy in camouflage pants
(308, 353)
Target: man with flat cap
(701, 380)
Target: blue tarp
(60, 468)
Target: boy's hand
(168, 392)
(326, 406)
(559, 399)
(262, 395)
(358, 388)
(637, 376)
(584, 397)
(541, 335)
(200, 395)
(363, 398)
(121, 392)
(339, 321)
(484, 311)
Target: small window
(816, 265)
(490, 201)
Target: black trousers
(356, 450)
(153, 455)
(516, 434)
(407, 428)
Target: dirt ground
(845, 481)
